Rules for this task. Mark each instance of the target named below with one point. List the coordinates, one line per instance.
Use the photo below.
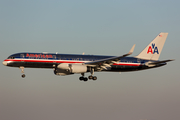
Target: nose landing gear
(22, 71)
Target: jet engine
(77, 68)
(66, 69)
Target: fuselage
(49, 60)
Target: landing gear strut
(91, 76)
(22, 71)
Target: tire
(90, 77)
(85, 79)
(23, 75)
(94, 78)
(81, 78)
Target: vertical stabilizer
(153, 50)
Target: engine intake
(61, 72)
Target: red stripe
(127, 64)
(40, 61)
(52, 61)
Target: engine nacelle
(72, 68)
(76, 68)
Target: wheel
(94, 78)
(85, 79)
(23, 75)
(81, 78)
(90, 77)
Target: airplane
(68, 64)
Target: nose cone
(4, 63)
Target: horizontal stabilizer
(158, 62)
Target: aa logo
(152, 49)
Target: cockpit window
(10, 57)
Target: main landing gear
(91, 77)
(22, 71)
(82, 78)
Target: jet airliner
(68, 64)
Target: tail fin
(153, 50)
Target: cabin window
(138, 60)
(22, 55)
(59, 57)
(54, 56)
(11, 57)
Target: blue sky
(99, 27)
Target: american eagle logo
(153, 49)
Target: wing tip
(132, 49)
(172, 59)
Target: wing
(103, 63)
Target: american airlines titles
(39, 55)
